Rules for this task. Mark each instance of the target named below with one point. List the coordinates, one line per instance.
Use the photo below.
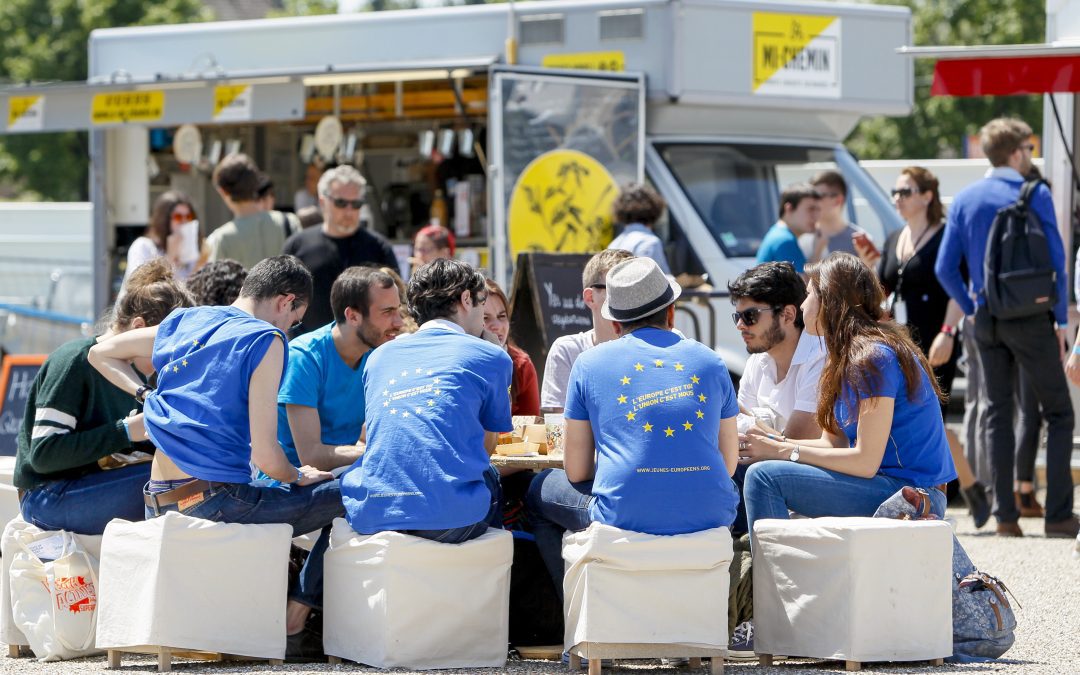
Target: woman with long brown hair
(524, 389)
(163, 238)
(878, 406)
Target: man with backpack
(1005, 230)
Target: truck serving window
(735, 187)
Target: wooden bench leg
(852, 665)
(575, 662)
(595, 666)
(114, 659)
(764, 660)
(937, 662)
(717, 667)
(695, 662)
(335, 660)
(13, 651)
(164, 660)
(277, 662)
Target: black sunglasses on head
(342, 203)
(750, 316)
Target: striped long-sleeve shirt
(73, 418)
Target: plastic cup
(555, 425)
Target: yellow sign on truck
(127, 106)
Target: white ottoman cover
(629, 587)
(858, 589)
(394, 600)
(9, 633)
(189, 583)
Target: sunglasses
(350, 203)
(902, 193)
(178, 217)
(750, 316)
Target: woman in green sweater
(78, 426)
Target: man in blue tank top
(435, 401)
(214, 414)
(651, 439)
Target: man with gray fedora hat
(651, 438)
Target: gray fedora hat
(636, 288)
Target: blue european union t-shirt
(430, 396)
(654, 401)
(317, 377)
(917, 450)
(198, 415)
(781, 245)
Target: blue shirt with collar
(968, 228)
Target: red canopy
(998, 76)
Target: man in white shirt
(565, 350)
(783, 372)
(637, 208)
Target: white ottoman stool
(633, 595)
(394, 600)
(180, 584)
(853, 589)
(9, 632)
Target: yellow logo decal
(609, 61)
(562, 202)
(26, 113)
(232, 102)
(127, 106)
(796, 54)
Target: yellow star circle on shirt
(625, 380)
(647, 427)
(687, 426)
(700, 414)
(630, 416)
(701, 397)
(695, 379)
(679, 366)
(658, 363)
(639, 367)
(669, 432)
(622, 398)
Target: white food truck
(512, 126)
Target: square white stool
(853, 589)
(633, 595)
(9, 632)
(395, 600)
(180, 584)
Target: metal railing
(44, 303)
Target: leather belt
(170, 497)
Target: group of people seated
(204, 407)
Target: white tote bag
(54, 595)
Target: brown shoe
(1029, 506)
(1012, 529)
(1064, 529)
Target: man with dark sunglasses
(342, 241)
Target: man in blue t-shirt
(651, 439)
(213, 415)
(321, 400)
(435, 402)
(799, 210)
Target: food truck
(512, 125)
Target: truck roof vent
(541, 29)
(622, 24)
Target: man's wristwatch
(142, 391)
(794, 456)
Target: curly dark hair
(279, 275)
(638, 203)
(218, 283)
(436, 286)
(776, 284)
(239, 177)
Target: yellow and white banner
(232, 103)
(26, 113)
(796, 55)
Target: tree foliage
(46, 40)
(938, 126)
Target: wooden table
(535, 462)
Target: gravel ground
(1040, 572)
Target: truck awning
(201, 98)
(1002, 70)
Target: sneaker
(741, 647)
(977, 503)
(304, 647)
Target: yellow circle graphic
(562, 202)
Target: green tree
(46, 40)
(305, 8)
(938, 126)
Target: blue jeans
(773, 487)
(458, 535)
(556, 505)
(86, 505)
(308, 508)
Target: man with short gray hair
(340, 241)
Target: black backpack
(1020, 278)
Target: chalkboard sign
(17, 374)
(546, 302)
